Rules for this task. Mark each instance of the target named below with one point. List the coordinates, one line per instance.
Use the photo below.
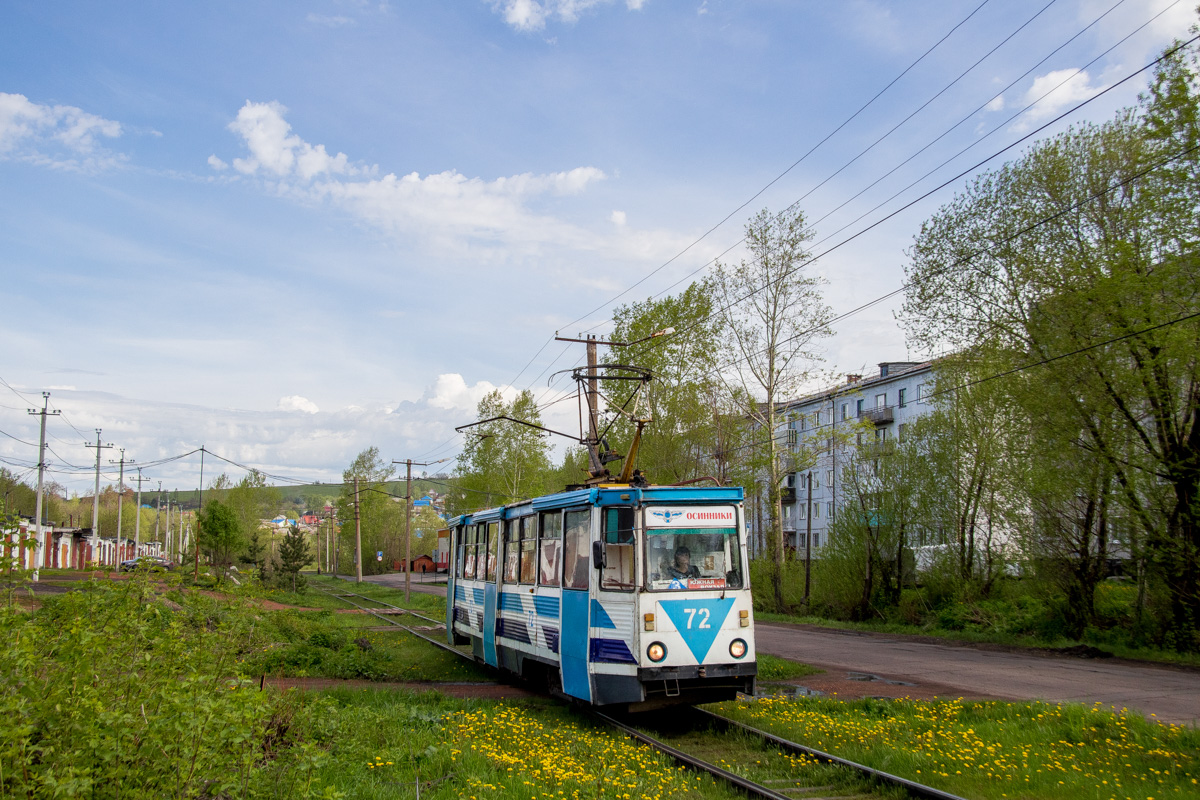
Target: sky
(289, 231)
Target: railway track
(393, 612)
(776, 769)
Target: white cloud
(531, 15)
(1053, 93)
(274, 148)
(448, 207)
(618, 218)
(62, 136)
(995, 104)
(297, 403)
(337, 21)
(217, 163)
(703, 9)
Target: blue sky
(288, 231)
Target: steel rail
(748, 786)
(390, 621)
(344, 595)
(753, 789)
(912, 787)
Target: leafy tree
(680, 442)
(381, 519)
(1085, 251)
(294, 555)
(771, 314)
(220, 533)
(503, 461)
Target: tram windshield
(693, 559)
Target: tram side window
(459, 533)
(528, 546)
(469, 553)
(550, 546)
(577, 557)
(493, 545)
(512, 549)
(617, 529)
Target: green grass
(309, 644)
(774, 668)
(374, 744)
(993, 749)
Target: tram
(614, 594)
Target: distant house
(423, 564)
(310, 519)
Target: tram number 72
(704, 614)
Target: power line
(794, 164)
(960, 175)
(1052, 359)
(930, 172)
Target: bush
(113, 692)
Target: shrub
(111, 691)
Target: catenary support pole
(137, 520)
(120, 506)
(409, 464)
(808, 544)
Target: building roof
(888, 371)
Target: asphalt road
(1169, 695)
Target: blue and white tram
(615, 594)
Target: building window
(880, 435)
(803, 422)
(801, 511)
(881, 400)
(816, 511)
(900, 430)
(920, 393)
(845, 411)
(858, 437)
(829, 509)
(900, 397)
(829, 477)
(858, 408)
(793, 438)
(816, 539)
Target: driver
(682, 566)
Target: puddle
(868, 677)
(788, 690)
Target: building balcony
(880, 416)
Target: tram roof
(606, 495)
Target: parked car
(147, 562)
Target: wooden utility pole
(357, 538)
(40, 550)
(96, 494)
(199, 508)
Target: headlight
(657, 651)
(737, 648)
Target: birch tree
(772, 315)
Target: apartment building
(832, 423)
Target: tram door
(489, 593)
(573, 643)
